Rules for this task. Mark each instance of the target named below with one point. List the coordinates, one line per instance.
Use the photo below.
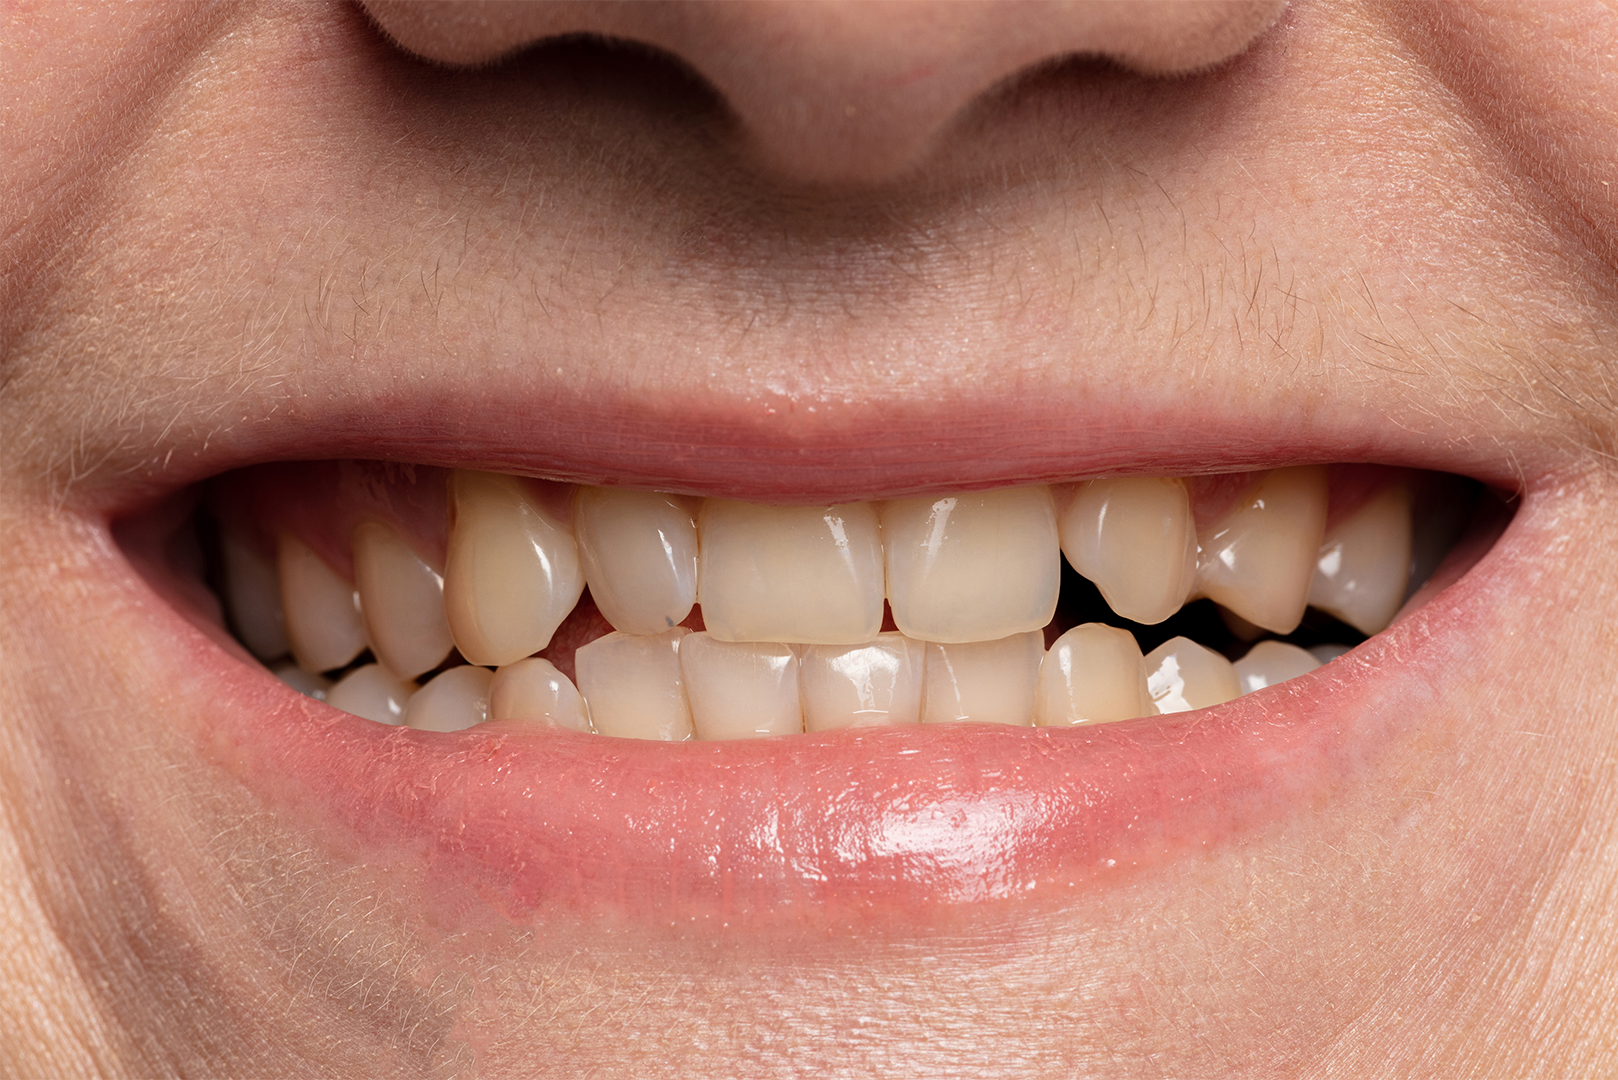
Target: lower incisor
(454, 700)
(877, 684)
(534, 691)
(988, 682)
(1092, 674)
(740, 689)
(633, 686)
(1182, 675)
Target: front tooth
(990, 682)
(512, 574)
(633, 685)
(872, 685)
(806, 574)
(253, 597)
(453, 701)
(1135, 538)
(1363, 565)
(1258, 560)
(973, 567)
(639, 550)
(323, 619)
(1182, 675)
(373, 692)
(403, 601)
(740, 689)
(1094, 673)
(533, 690)
(1271, 662)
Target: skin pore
(800, 253)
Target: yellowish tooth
(454, 700)
(877, 684)
(1182, 675)
(403, 601)
(533, 690)
(306, 683)
(740, 689)
(323, 620)
(639, 550)
(253, 597)
(373, 692)
(1363, 564)
(1259, 558)
(1135, 538)
(990, 682)
(633, 685)
(977, 566)
(1092, 674)
(1271, 662)
(513, 571)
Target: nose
(845, 92)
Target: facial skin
(880, 250)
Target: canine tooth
(253, 597)
(534, 690)
(871, 685)
(373, 692)
(1258, 560)
(1135, 538)
(402, 599)
(633, 686)
(1182, 675)
(804, 574)
(639, 550)
(973, 567)
(984, 681)
(740, 689)
(1364, 562)
(323, 619)
(1092, 674)
(304, 682)
(512, 574)
(1271, 662)
(453, 701)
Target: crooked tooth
(1135, 538)
(253, 598)
(402, 599)
(1258, 560)
(1271, 662)
(453, 701)
(633, 685)
(876, 684)
(740, 689)
(973, 567)
(533, 690)
(373, 692)
(512, 574)
(1363, 565)
(804, 574)
(1092, 674)
(323, 622)
(991, 682)
(304, 682)
(1182, 675)
(639, 551)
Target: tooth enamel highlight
(1092, 674)
(533, 690)
(1182, 675)
(633, 685)
(323, 620)
(1259, 559)
(989, 682)
(872, 685)
(372, 692)
(740, 689)
(402, 599)
(1363, 564)
(1135, 538)
(973, 567)
(1271, 662)
(639, 552)
(453, 701)
(803, 574)
(304, 682)
(513, 572)
(253, 598)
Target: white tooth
(740, 689)
(1094, 673)
(633, 685)
(805, 574)
(978, 566)
(403, 601)
(1182, 675)
(1364, 562)
(253, 596)
(373, 692)
(512, 574)
(639, 550)
(323, 618)
(306, 683)
(1135, 538)
(990, 682)
(1258, 560)
(1327, 653)
(533, 690)
(1271, 662)
(872, 685)
(454, 700)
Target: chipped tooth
(639, 550)
(454, 700)
(991, 682)
(633, 686)
(1364, 562)
(1271, 662)
(877, 684)
(1135, 538)
(1259, 559)
(512, 574)
(973, 567)
(1092, 674)
(253, 598)
(373, 692)
(323, 619)
(304, 682)
(402, 599)
(533, 690)
(1182, 675)
(740, 689)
